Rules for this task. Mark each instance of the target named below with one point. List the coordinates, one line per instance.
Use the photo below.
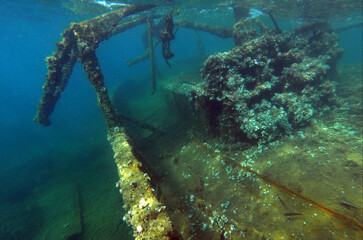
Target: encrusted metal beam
(145, 213)
(83, 36)
(219, 31)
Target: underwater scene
(181, 119)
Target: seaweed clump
(270, 85)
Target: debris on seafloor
(80, 226)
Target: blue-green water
(41, 164)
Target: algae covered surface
(306, 185)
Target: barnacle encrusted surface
(267, 87)
(146, 214)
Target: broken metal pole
(348, 27)
(143, 57)
(199, 43)
(274, 22)
(223, 32)
(151, 54)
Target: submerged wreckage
(271, 83)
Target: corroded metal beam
(150, 24)
(219, 31)
(143, 57)
(145, 213)
(83, 36)
(60, 66)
